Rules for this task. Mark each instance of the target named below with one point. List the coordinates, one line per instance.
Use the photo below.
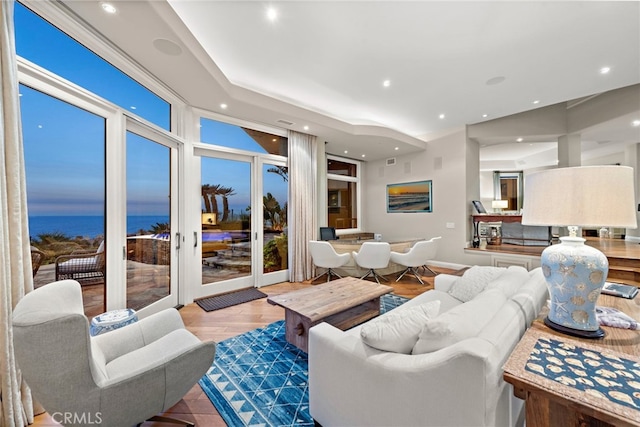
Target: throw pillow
(473, 281)
(398, 332)
(459, 323)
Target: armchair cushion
(461, 322)
(398, 332)
(150, 356)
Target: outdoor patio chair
(37, 256)
(81, 266)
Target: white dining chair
(324, 256)
(373, 255)
(415, 258)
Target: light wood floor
(222, 324)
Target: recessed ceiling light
(386, 83)
(272, 14)
(363, 155)
(605, 70)
(484, 115)
(441, 116)
(636, 123)
(519, 139)
(397, 148)
(306, 128)
(537, 101)
(223, 106)
(346, 151)
(274, 140)
(109, 8)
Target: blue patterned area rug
(259, 379)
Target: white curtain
(303, 203)
(16, 407)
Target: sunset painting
(409, 197)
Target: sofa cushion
(397, 331)
(510, 281)
(459, 323)
(474, 281)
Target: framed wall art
(409, 197)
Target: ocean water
(87, 226)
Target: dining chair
(372, 256)
(324, 256)
(415, 258)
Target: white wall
(444, 163)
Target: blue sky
(65, 146)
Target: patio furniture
(37, 256)
(81, 266)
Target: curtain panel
(303, 174)
(16, 406)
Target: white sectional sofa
(456, 381)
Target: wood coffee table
(342, 303)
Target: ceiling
(322, 64)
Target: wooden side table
(567, 381)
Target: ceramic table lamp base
(575, 274)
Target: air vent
(391, 161)
(284, 122)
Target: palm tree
(226, 192)
(283, 171)
(205, 196)
(271, 209)
(209, 193)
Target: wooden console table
(567, 381)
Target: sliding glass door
(243, 221)
(227, 238)
(150, 243)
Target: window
(343, 199)
(241, 138)
(71, 60)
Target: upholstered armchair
(120, 378)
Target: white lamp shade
(499, 204)
(587, 196)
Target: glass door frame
(257, 278)
(176, 147)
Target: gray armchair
(122, 377)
